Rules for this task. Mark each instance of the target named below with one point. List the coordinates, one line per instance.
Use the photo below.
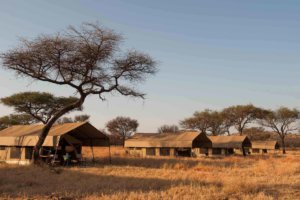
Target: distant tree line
(282, 121)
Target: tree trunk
(283, 145)
(228, 132)
(123, 141)
(50, 123)
(241, 131)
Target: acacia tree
(122, 126)
(199, 121)
(87, 59)
(209, 122)
(283, 121)
(42, 106)
(227, 122)
(16, 119)
(218, 123)
(168, 129)
(242, 115)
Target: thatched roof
(27, 135)
(180, 140)
(232, 141)
(267, 144)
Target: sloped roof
(27, 135)
(231, 141)
(35, 129)
(267, 144)
(182, 139)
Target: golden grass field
(253, 177)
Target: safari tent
(263, 147)
(226, 145)
(17, 142)
(186, 144)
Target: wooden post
(109, 153)
(93, 160)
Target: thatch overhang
(267, 144)
(28, 135)
(232, 141)
(187, 139)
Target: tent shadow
(31, 182)
(157, 163)
(278, 190)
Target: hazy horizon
(211, 54)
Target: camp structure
(185, 144)
(64, 141)
(226, 145)
(263, 147)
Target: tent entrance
(150, 151)
(230, 151)
(216, 151)
(265, 151)
(183, 152)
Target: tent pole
(53, 161)
(109, 153)
(93, 160)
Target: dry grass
(254, 177)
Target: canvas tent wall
(186, 143)
(262, 147)
(16, 141)
(225, 145)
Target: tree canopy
(199, 121)
(242, 115)
(122, 126)
(283, 121)
(16, 119)
(207, 121)
(40, 105)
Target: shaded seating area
(182, 144)
(63, 145)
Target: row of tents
(66, 141)
(195, 144)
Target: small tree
(242, 115)
(87, 60)
(41, 106)
(81, 118)
(122, 126)
(77, 118)
(16, 119)
(283, 121)
(168, 129)
(64, 120)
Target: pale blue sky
(211, 54)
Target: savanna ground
(253, 177)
